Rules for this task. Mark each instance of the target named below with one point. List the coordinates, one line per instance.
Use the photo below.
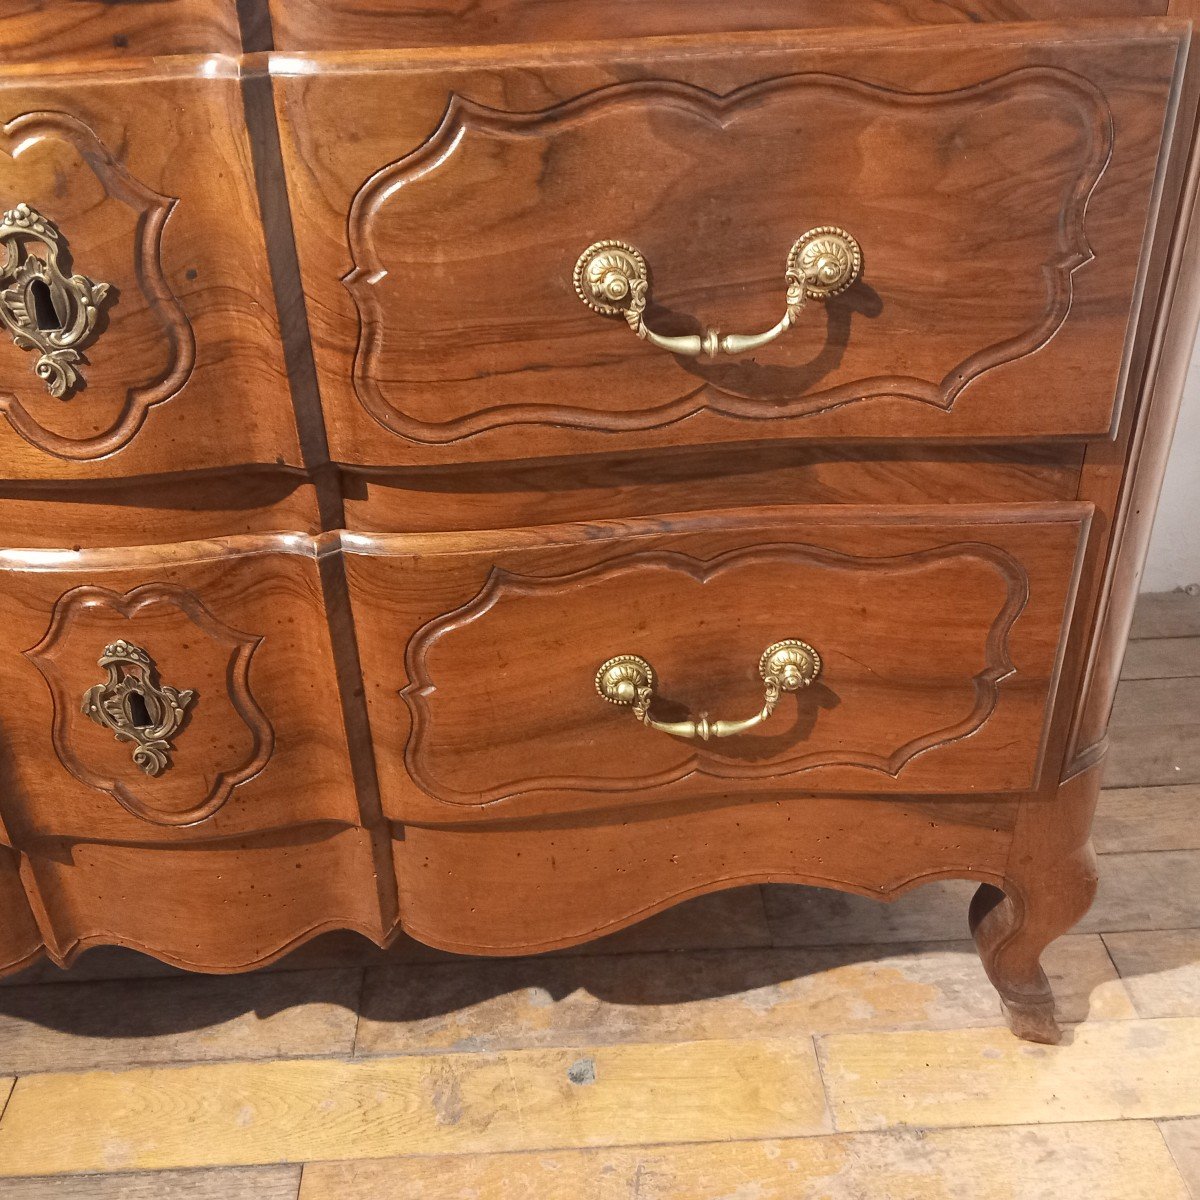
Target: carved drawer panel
(168, 694)
(999, 186)
(775, 652)
(224, 907)
(137, 326)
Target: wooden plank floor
(762, 1044)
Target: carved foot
(1012, 930)
(1032, 1020)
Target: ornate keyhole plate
(135, 706)
(40, 305)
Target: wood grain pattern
(231, 905)
(241, 624)
(160, 509)
(1149, 818)
(230, 1183)
(513, 494)
(295, 1111)
(186, 370)
(1103, 1161)
(447, 1007)
(369, 25)
(402, 382)
(980, 1076)
(49, 30)
(20, 939)
(940, 699)
(512, 895)
(106, 1026)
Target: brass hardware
(135, 706)
(785, 666)
(43, 308)
(612, 278)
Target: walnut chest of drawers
(494, 474)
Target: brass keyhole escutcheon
(40, 305)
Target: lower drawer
(162, 694)
(923, 644)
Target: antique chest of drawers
(493, 474)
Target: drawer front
(169, 694)
(47, 30)
(138, 334)
(367, 25)
(998, 183)
(938, 637)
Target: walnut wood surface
(381, 24)
(160, 509)
(263, 745)
(523, 888)
(49, 30)
(596, 487)
(146, 173)
(232, 907)
(529, 489)
(500, 716)
(409, 178)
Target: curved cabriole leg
(1050, 882)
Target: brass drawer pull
(43, 307)
(135, 706)
(612, 278)
(786, 666)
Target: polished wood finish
(51, 30)
(242, 624)
(374, 25)
(495, 713)
(146, 173)
(988, 277)
(355, 466)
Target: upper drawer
(138, 332)
(41, 30)
(935, 639)
(1000, 184)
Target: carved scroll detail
(145, 257)
(216, 779)
(73, 299)
(502, 586)
(465, 118)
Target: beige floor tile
(237, 1114)
(1156, 890)
(1151, 818)
(783, 993)
(50, 1027)
(806, 916)
(1183, 1139)
(228, 1183)
(1160, 970)
(1154, 736)
(1162, 658)
(1109, 1071)
(1166, 615)
(1113, 1161)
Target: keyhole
(139, 714)
(45, 315)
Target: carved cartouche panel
(140, 345)
(463, 249)
(173, 754)
(914, 649)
